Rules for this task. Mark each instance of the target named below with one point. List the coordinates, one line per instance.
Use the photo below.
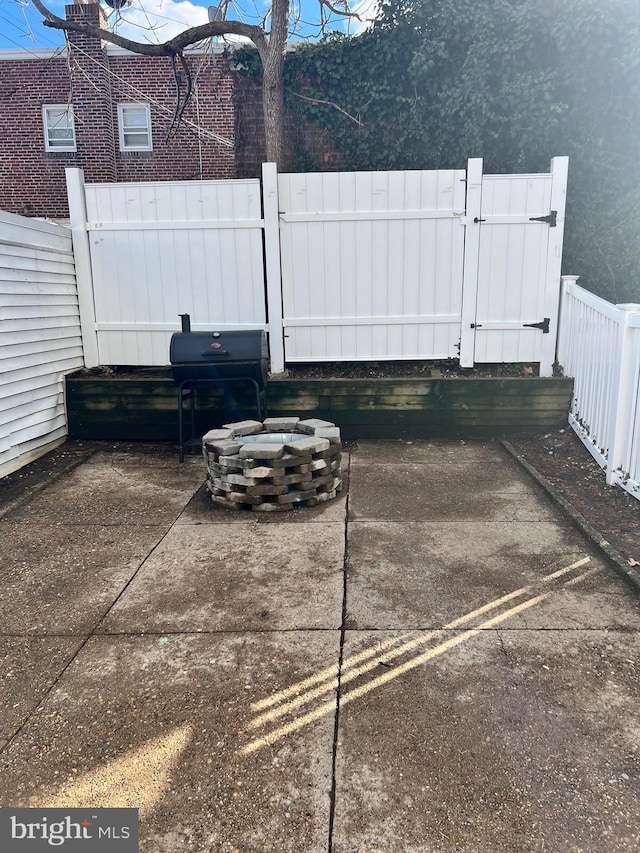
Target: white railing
(599, 346)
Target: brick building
(109, 112)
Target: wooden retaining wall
(145, 407)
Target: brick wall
(188, 155)
(251, 148)
(96, 79)
(32, 180)
(90, 85)
(308, 145)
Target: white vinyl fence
(422, 265)
(147, 252)
(40, 340)
(599, 346)
(372, 264)
(337, 266)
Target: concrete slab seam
(89, 635)
(615, 559)
(139, 567)
(343, 634)
(6, 742)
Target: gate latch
(543, 325)
(551, 219)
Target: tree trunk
(272, 83)
(273, 108)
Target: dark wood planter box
(144, 407)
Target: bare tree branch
(344, 13)
(182, 100)
(271, 48)
(328, 104)
(172, 46)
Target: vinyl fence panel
(40, 340)
(372, 264)
(355, 265)
(160, 249)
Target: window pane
(59, 129)
(59, 119)
(133, 117)
(136, 140)
(135, 127)
(61, 133)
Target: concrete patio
(435, 661)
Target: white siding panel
(30, 385)
(163, 249)
(40, 339)
(33, 407)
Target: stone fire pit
(273, 465)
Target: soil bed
(447, 369)
(561, 458)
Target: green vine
(512, 81)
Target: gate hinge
(543, 325)
(551, 219)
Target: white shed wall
(40, 339)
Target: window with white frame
(134, 127)
(59, 129)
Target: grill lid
(219, 355)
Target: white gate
(371, 264)
(422, 265)
(514, 286)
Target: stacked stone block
(273, 465)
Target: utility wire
(161, 107)
(24, 27)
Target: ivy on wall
(512, 81)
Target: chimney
(91, 94)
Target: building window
(134, 126)
(59, 129)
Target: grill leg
(186, 390)
(259, 398)
(192, 414)
(189, 394)
(180, 424)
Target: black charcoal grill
(201, 359)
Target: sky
(154, 20)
